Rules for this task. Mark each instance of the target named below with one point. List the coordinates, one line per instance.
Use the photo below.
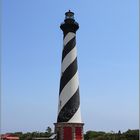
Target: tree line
(89, 135)
(128, 135)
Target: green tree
(48, 131)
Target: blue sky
(107, 44)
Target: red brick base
(69, 131)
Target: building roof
(45, 138)
(42, 138)
(9, 137)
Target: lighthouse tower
(69, 125)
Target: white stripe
(76, 118)
(68, 91)
(68, 37)
(69, 58)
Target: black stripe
(68, 74)
(70, 108)
(64, 35)
(69, 46)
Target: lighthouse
(69, 125)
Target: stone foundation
(69, 131)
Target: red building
(9, 137)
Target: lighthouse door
(67, 133)
(78, 133)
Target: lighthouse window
(69, 16)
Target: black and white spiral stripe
(69, 102)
